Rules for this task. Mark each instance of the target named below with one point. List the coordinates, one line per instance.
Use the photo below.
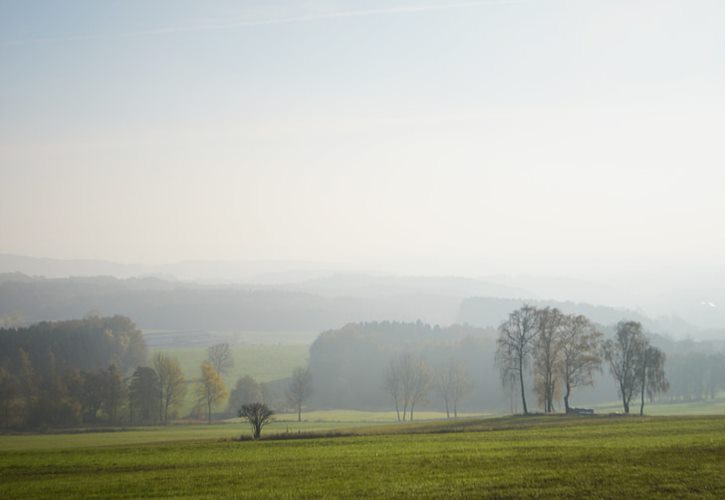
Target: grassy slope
(263, 362)
(552, 456)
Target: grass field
(263, 362)
(505, 457)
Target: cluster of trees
(94, 371)
(68, 372)
(695, 376)
(563, 352)
(368, 366)
(409, 381)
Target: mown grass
(502, 457)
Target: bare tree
(624, 354)
(514, 345)
(547, 354)
(258, 415)
(394, 385)
(171, 383)
(652, 374)
(220, 358)
(452, 384)
(420, 386)
(581, 346)
(300, 389)
(408, 382)
(210, 390)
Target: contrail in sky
(411, 9)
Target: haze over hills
(303, 296)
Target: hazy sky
(475, 137)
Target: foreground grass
(506, 457)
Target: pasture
(506, 457)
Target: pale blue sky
(474, 137)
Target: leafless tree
(300, 389)
(547, 354)
(581, 354)
(514, 345)
(393, 384)
(652, 374)
(258, 415)
(408, 382)
(220, 358)
(452, 384)
(420, 385)
(624, 354)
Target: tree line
(562, 352)
(95, 371)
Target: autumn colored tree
(171, 382)
(210, 389)
(581, 354)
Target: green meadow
(263, 362)
(624, 457)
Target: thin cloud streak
(267, 22)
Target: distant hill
(207, 271)
(366, 285)
(164, 305)
(58, 268)
(491, 312)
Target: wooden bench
(581, 411)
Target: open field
(510, 456)
(704, 407)
(263, 362)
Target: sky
(463, 137)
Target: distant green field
(556, 456)
(263, 362)
(709, 407)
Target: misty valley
(241, 373)
(362, 249)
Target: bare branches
(258, 415)
(581, 354)
(220, 358)
(408, 382)
(514, 345)
(300, 389)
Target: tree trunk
(521, 380)
(566, 397)
(299, 412)
(448, 413)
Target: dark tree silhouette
(258, 415)
(624, 354)
(514, 345)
